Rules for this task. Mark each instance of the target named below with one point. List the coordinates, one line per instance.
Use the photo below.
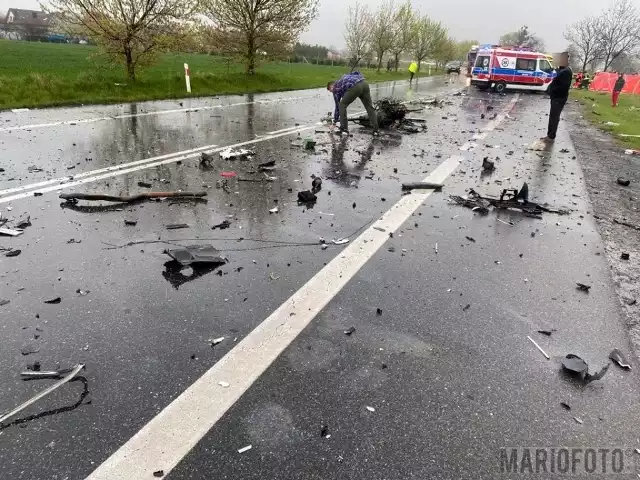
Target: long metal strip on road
(163, 442)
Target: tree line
(608, 40)
(392, 31)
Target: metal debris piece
(196, 254)
(74, 197)
(158, 473)
(488, 165)
(228, 174)
(24, 222)
(577, 366)
(245, 449)
(231, 153)
(206, 159)
(582, 287)
(378, 311)
(35, 372)
(624, 256)
(349, 331)
(216, 341)
(74, 372)
(341, 241)
(83, 293)
(618, 357)
(176, 226)
(624, 182)
(10, 232)
(13, 253)
(4, 302)
(538, 347)
(578, 420)
(223, 384)
(548, 333)
(316, 184)
(324, 431)
(422, 185)
(566, 406)
(130, 223)
(371, 409)
(307, 197)
(29, 348)
(222, 226)
(144, 185)
(471, 239)
(53, 301)
(274, 210)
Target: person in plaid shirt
(345, 91)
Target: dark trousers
(557, 104)
(359, 90)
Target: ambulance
(514, 68)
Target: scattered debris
(72, 374)
(130, 223)
(618, 357)
(466, 307)
(206, 160)
(13, 253)
(422, 185)
(538, 347)
(245, 449)
(630, 151)
(74, 197)
(308, 144)
(231, 153)
(307, 197)
(378, 311)
(29, 348)
(583, 288)
(488, 165)
(624, 182)
(316, 184)
(471, 239)
(222, 226)
(4, 301)
(216, 341)
(349, 331)
(578, 420)
(53, 301)
(83, 293)
(566, 406)
(371, 409)
(186, 256)
(144, 185)
(158, 473)
(274, 210)
(624, 256)
(324, 431)
(564, 150)
(548, 333)
(228, 174)
(577, 366)
(10, 232)
(223, 384)
(176, 226)
(341, 241)
(23, 222)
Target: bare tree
(382, 32)
(257, 27)
(129, 31)
(357, 34)
(619, 31)
(403, 31)
(584, 41)
(427, 34)
(523, 38)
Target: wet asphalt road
(461, 378)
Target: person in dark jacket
(345, 91)
(617, 89)
(559, 93)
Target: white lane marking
(122, 171)
(146, 114)
(120, 166)
(169, 436)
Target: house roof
(18, 16)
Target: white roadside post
(187, 77)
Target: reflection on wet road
(439, 347)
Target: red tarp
(604, 82)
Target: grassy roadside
(45, 74)
(598, 109)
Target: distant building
(26, 24)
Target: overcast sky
(484, 21)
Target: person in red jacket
(617, 89)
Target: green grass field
(598, 109)
(44, 74)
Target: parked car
(453, 67)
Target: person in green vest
(413, 69)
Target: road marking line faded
(168, 437)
